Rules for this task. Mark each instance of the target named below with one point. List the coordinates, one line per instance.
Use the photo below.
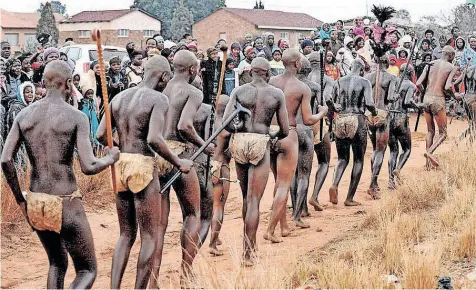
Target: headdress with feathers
(382, 33)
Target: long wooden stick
(96, 36)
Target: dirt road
(25, 265)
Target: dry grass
(421, 270)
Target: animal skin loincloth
(346, 125)
(177, 147)
(316, 129)
(45, 211)
(134, 172)
(248, 147)
(377, 121)
(434, 104)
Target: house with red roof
(233, 24)
(19, 28)
(118, 27)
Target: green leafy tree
(182, 21)
(47, 23)
(259, 5)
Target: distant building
(233, 23)
(19, 29)
(118, 27)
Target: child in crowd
(392, 67)
(331, 68)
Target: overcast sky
(325, 10)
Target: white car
(84, 54)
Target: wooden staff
(96, 36)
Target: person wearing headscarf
(344, 56)
(245, 66)
(277, 66)
(438, 52)
(248, 41)
(26, 95)
(87, 105)
(460, 46)
(259, 46)
(170, 45)
(116, 79)
(49, 54)
(325, 32)
(359, 46)
(307, 46)
(392, 66)
(283, 45)
(331, 68)
(235, 54)
(210, 70)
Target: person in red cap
(392, 67)
(245, 66)
(192, 46)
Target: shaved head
(184, 60)
(306, 64)
(260, 63)
(314, 56)
(448, 50)
(291, 56)
(56, 74)
(358, 65)
(156, 65)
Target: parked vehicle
(84, 54)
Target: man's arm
(282, 115)
(185, 124)
(449, 80)
(307, 117)
(369, 101)
(156, 140)
(391, 89)
(89, 163)
(409, 99)
(10, 150)
(422, 76)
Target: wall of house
(291, 36)
(23, 35)
(109, 37)
(208, 30)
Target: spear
(96, 36)
(321, 125)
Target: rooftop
(22, 20)
(102, 15)
(275, 19)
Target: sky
(320, 9)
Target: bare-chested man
(440, 84)
(249, 144)
(353, 93)
(322, 149)
(53, 203)
(220, 175)
(139, 114)
(378, 125)
(182, 139)
(284, 154)
(400, 132)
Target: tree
(47, 23)
(259, 5)
(56, 6)
(403, 14)
(182, 21)
(464, 17)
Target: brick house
(118, 27)
(19, 29)
(233, 23)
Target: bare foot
(333, 195)
(219, 242)
(316, 205)
(373, 193)
(351, 203)
(272, 238)
(285, 232)
(432, 160)
(306, 213)
(301, 224)
(215, 252)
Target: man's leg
(304, 167)
(78, 240)
(220, 195)
(164, 210)
(206, 199)
(359, 146)
(127, 235)
(430, 124)
(147, 205)
(323, 152)
(256, 184)
(441, 122)
(392, 161)
(187, 188)
(57, 257)
(405, 140)
(343, 156)
(381, 135)
(286, 167)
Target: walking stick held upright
(214, 103)
(321, 125)
(96, 36)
